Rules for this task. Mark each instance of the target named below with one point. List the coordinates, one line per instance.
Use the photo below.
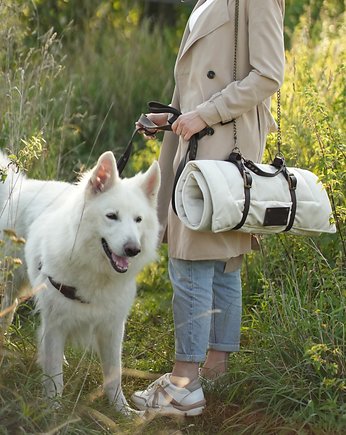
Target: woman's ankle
(183, 373)
(212, 373)
(215, 365)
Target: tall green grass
(81, 98)
(296, 288)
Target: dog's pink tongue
(121, 262)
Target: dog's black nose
(131, 250)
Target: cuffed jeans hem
(224, 347)
(189, 358)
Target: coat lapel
(218, 14)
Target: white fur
(63, 225)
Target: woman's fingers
(188, 124)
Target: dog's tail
(4, 160)
(10, 178)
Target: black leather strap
(292, 184)
(124, 158)
(66, 290)
(236, 159)
(154, 107)
(191, 154)
(258, 171)
(180, 168)
(148, 125)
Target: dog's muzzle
(120, 263)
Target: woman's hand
(157, 118)
(188, 124)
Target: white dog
(85, 245)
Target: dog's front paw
(54, 403)
(127, 411)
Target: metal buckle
(247, 179)
(292, 181)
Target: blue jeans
(207, 306)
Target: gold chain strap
(278, 115)
(236, 26)
(235, 136)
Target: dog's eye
(138, 219)
(112, 216)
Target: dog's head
(120, 215)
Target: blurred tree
(167, 12)
(58, 14)
(295, 10)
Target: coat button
(209, 131)
(211, 74)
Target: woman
(205, 267)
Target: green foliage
(115, 76)
(315, 11)
(32, 149)
(295, 325)
(314, 113)
(11, 247)
(60, 14)
(295, 315)
(37, 102)
(83, 97)
(74, 80)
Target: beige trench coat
(204, 82)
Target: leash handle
(156, 107)
(147, 125)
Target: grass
(84, 410)
(283, 380)
(66, 104)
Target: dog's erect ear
(105, 173)
(152, 180)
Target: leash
(146, 127)
(70, 292)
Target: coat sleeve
(267, 59)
